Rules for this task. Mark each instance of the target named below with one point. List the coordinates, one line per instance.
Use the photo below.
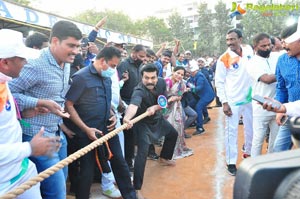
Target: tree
(180, 29)
(113, 20)
(177, 25)
(221, 26)
(270, 21)
(150, 28)
(205, 38)
(157, 30)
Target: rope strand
(61, 164)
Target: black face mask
(138, 62)
(264, 53)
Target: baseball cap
(295, 36)
(201, 59)
(12, 45)
(193, 66)
(187, 52)
(209, 60)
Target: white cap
(114, 38)
(201, 59)
(209, 60)
(295, 36)
(187, 52)
(12, 45)
(193, 66)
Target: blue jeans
(53, 187)
(283, 140)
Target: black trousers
(87, 167)
(145, 135)
(129, 143)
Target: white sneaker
(112, 193)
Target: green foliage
(150, 28)
(271, 22)
(179, 29)
(222, 24)
(113, 20)
(211, 31)
(157, 30)
(204, 31)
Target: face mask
(107, 73)
(264, 53)
(138, 62)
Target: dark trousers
(199, 105)
(145, 136)
(73, 168)
(151, 149)
(87, 168)
(129, 146)
(191, 116)
(205, 112)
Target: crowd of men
(59, 94)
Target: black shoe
(187, 135)
(231, 169)
(199, 131)
(193, 125)
(241, 122)
(206, 119)
(153, 156)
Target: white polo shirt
(257, 67)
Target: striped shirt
(41, 78)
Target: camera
(274, 175)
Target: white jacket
(232, 81)
(12, 149)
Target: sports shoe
(241, 122)
(153, 156)
(112, 193)
(231, 169)
(199, 131)
(193, 125)
(245, 155)
(206, 119)
(187, 152)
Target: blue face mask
(107, 73)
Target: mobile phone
(262, 100)
(284, 119)
(259, 99)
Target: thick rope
(71, 158)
